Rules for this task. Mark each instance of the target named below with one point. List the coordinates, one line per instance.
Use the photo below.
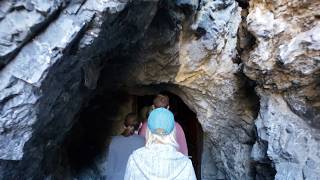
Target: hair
(169, 139)
(161, 101)
(130, 126)
(144, 113)
(134, 122)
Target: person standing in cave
(159, 158)
(162, 101)
(144, 113)
(121, 147)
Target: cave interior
(102, 118)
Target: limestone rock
(41, 87)
(192, 3)
(285, 64)
(196, 59)
(20, 21)
(291, 143)
(29, 68)
(287, 50)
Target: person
(159, 158)
(121, 147)
(143, 116)
(163, 101)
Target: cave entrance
(86, 144)
(188, 121)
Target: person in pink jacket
(163, 101)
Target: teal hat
(161, 121)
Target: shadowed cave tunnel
(103, 118)
(117, 93)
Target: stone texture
(203, 51)
(291, 143)
(22, 20)
(285, 64)
(195, 56)
(42, 87)
(191, 3)
(29, 68)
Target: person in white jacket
(159, 159)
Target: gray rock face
(285, 64)
(22, 20)
(291, 144)
(56, 55)
(192, 3)
(195, 57)
(41, 88)
(29, 69)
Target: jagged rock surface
(285, 64)
(44, 85)
(21, 21)
(195, 55)
(52, 63)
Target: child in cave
(121, 147)
(159, 159)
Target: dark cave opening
(88, 137)
(102, 118)
(243, 3)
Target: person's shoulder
(115, 138)
(139, 151)
(138, 137)
(177, 124)
(118, 139)
(189, 163)
(188, 160)
(184, 158)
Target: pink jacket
(181, 139)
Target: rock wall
(49, 78)
(210, 53)
(194, 54)
(285, 65)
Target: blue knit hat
(161, 121)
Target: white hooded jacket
(159, 162)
